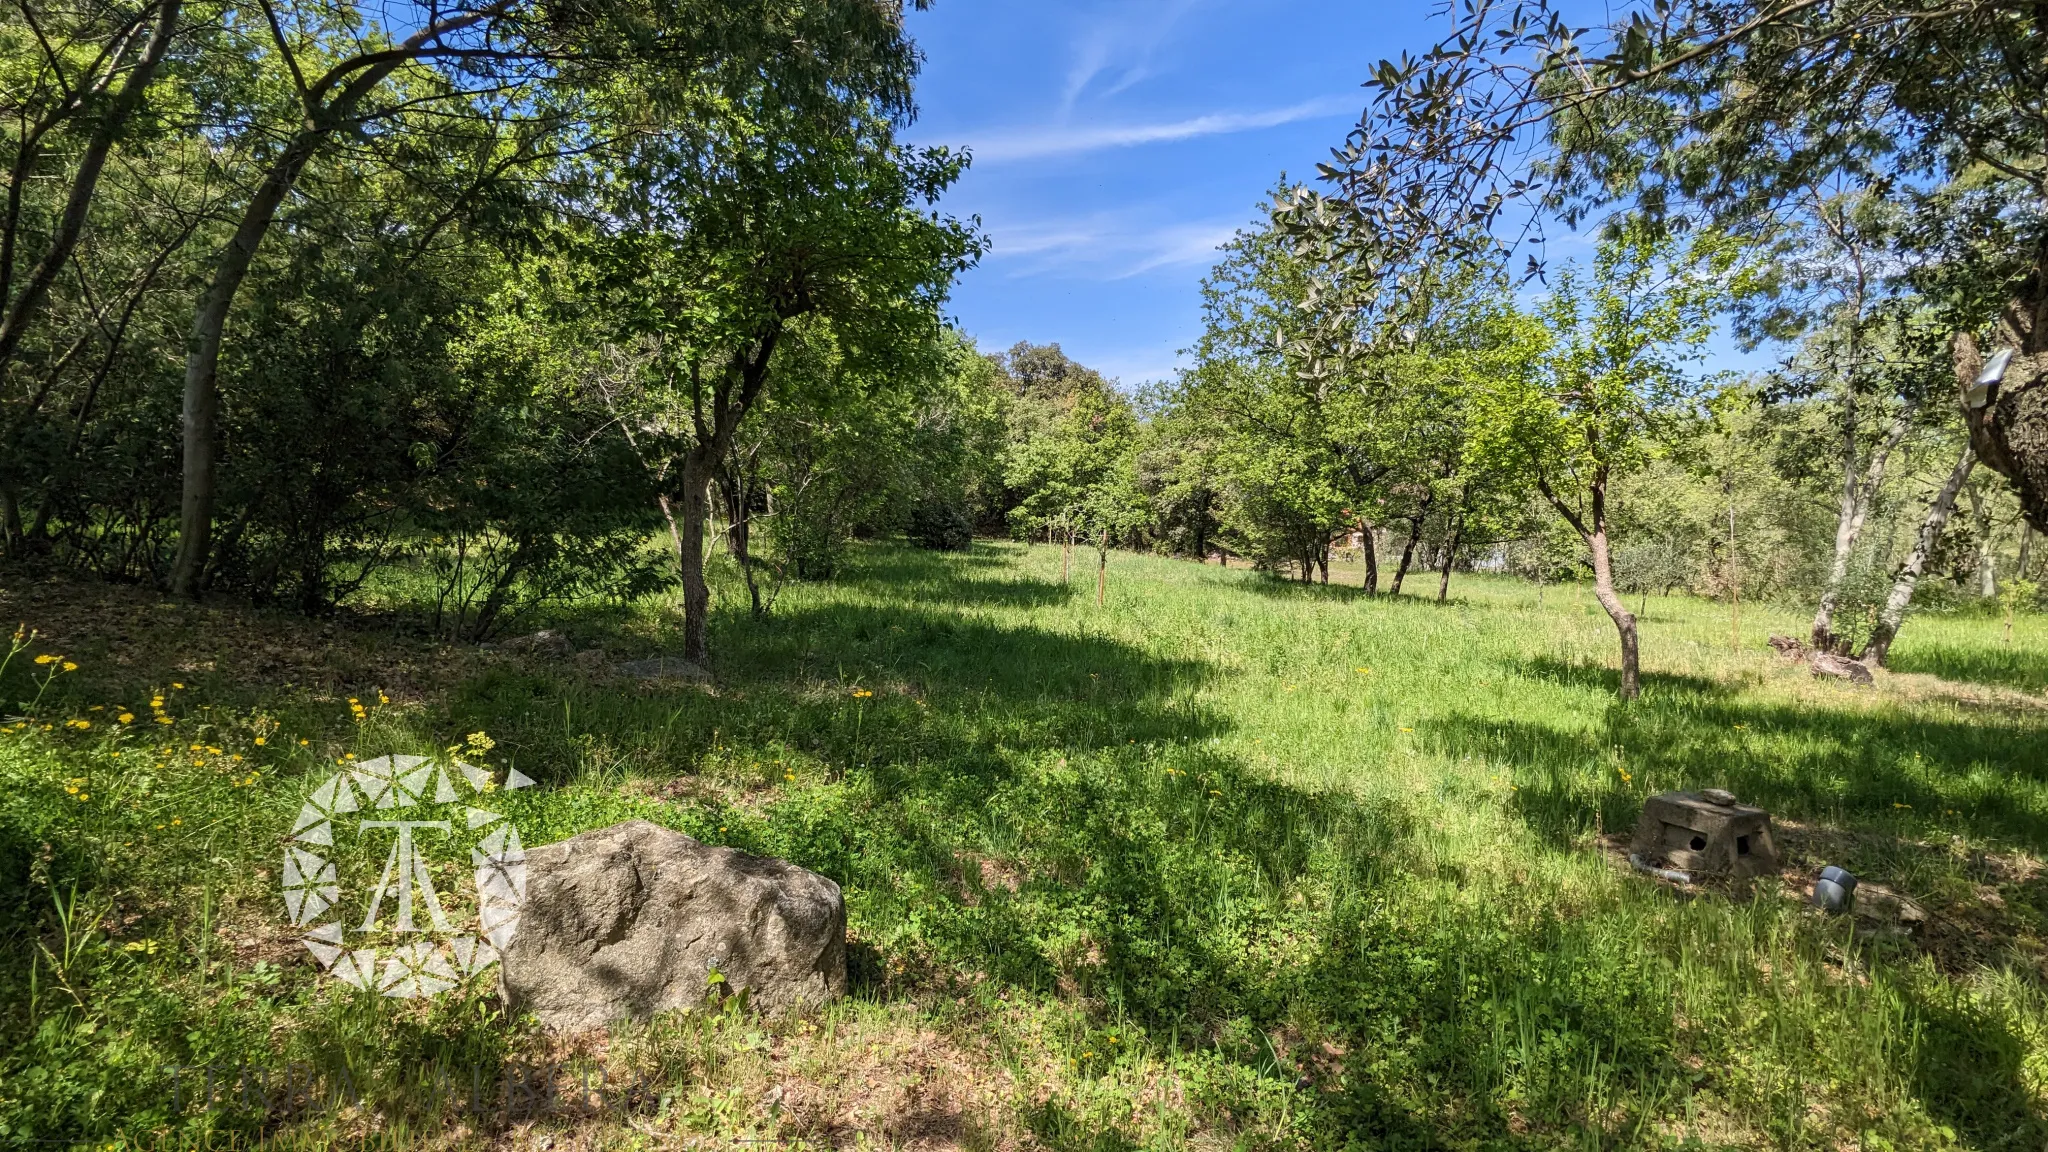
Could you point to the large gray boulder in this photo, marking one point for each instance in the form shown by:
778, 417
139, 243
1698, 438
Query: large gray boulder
632, 920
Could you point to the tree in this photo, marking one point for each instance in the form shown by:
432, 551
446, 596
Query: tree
723, 242
1939, 506
1071, 440
1609, 384
1723, 109
617, 79
1304, 452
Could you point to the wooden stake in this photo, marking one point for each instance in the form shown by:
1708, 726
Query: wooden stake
1101, 566
1734, 577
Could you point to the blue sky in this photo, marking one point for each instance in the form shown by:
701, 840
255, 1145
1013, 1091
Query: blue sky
1118, 142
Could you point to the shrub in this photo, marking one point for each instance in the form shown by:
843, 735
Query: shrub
940, 526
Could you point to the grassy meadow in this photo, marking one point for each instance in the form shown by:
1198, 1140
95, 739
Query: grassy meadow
1228, 862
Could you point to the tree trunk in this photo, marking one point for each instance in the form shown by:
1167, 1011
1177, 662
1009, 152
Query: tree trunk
209, 320
1624, 622
2026, 550
1893, 614
1443, 584
1408, 550
1987, 553
696, 593
10, 520
1370, 547
675, 535
739, 529
1067, 555
1101, 567
1593, 530
1851, 512
1734, 573
202, 362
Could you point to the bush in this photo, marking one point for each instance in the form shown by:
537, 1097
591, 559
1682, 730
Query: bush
941, 527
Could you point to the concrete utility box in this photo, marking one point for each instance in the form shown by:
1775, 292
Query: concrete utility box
1708, 831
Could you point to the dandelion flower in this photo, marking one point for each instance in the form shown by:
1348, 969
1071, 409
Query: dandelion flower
46, 658
126, 717
178, 686
70, 667
262, 740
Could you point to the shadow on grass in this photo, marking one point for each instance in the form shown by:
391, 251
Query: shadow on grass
1969, 1070
2012, 666
954, 578
1287, 588
1583, 674
1879, 784
1880, 769
1043, 812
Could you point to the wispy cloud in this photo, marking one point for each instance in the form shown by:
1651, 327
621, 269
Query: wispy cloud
1066, 140
1108, 246
1124, 46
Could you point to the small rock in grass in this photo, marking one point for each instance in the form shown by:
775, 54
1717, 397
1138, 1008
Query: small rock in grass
546, 642
1841, 668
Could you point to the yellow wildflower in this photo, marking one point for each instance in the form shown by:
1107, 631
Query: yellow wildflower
126, 717
177, 685
46, 658
70, 667
262, 740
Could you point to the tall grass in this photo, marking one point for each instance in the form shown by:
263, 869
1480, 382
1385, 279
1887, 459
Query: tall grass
1226, 861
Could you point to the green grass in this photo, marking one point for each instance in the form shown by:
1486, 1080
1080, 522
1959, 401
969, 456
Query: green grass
1228, 862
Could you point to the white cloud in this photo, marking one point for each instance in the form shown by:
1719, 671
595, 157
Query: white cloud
1067, 140
1108, 246
1125, 44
